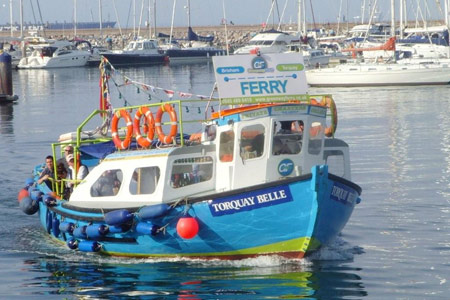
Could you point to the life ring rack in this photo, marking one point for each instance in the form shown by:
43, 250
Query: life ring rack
163, 138
327, 101
149, 123
121, 144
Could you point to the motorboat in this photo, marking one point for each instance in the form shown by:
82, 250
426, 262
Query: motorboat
264, 175
137, 52
269, 41
55, 54
312, 57
381, 74
197, 48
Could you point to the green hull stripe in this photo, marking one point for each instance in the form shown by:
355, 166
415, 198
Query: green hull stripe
294, 245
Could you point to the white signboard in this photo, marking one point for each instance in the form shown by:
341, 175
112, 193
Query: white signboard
249, 79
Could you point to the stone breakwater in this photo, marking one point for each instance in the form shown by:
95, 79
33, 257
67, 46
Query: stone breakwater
238, 35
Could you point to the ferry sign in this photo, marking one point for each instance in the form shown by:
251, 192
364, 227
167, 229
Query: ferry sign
247, 79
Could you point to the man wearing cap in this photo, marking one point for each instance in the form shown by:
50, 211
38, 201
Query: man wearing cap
81, 172
63, 160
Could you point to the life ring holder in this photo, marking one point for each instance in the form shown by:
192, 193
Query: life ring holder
150, 123
122, 145
163, 138
329, 102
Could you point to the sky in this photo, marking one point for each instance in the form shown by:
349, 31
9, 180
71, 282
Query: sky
203, 12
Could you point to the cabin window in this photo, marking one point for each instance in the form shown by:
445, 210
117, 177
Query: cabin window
335, 161
287, 138
188, 171
252, 141
108, 184
144, 180
226, 146
315, 138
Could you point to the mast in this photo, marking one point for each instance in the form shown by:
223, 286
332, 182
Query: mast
74, 18
154, 15
392, 17
11, 17
188, 7
21, 18
100, 16
134, 19
402, 17
148, 20
171, 25
226, 31
299, 17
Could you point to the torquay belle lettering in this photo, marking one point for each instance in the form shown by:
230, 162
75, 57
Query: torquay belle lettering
234, 204
271, 196
250, 201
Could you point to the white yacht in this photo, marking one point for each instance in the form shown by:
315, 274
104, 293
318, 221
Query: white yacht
270, 41
57, 54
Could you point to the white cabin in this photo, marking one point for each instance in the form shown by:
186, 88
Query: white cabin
237, 150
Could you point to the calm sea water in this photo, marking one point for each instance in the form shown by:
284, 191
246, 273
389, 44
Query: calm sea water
396, 245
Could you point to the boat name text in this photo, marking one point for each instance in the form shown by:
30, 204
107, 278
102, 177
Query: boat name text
341, 193
250, 201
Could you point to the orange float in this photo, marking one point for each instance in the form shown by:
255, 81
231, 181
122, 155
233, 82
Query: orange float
149, 128
163, 138
114, 129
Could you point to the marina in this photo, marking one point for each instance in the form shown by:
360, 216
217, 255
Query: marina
403, 218
228, 183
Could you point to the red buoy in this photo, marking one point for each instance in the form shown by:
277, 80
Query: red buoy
187, 227
22, 193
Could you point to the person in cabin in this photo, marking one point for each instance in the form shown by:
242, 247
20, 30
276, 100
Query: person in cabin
297, 127
47, 175
81, 173
107, 184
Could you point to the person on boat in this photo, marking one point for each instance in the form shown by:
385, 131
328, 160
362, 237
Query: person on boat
107, 185
298, 126
62, 180
81, 173
63, 160
47, 175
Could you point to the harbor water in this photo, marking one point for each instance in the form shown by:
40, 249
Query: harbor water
395, 246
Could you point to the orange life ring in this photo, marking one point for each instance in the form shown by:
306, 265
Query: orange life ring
166, 139
114, 130
149, 125
329, 102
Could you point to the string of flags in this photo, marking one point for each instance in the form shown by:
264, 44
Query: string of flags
153, 91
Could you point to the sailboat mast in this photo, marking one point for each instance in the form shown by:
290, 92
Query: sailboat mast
74, 18
21, 18
392, 17
299, 17
188, 7
100, 17
11, 17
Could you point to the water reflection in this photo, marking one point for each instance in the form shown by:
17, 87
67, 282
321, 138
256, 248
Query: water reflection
6, 118
111, 279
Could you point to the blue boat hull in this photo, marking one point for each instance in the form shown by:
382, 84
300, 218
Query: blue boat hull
179, 54
134, 59
290, 218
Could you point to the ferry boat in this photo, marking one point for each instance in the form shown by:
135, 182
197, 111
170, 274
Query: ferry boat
265, 175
